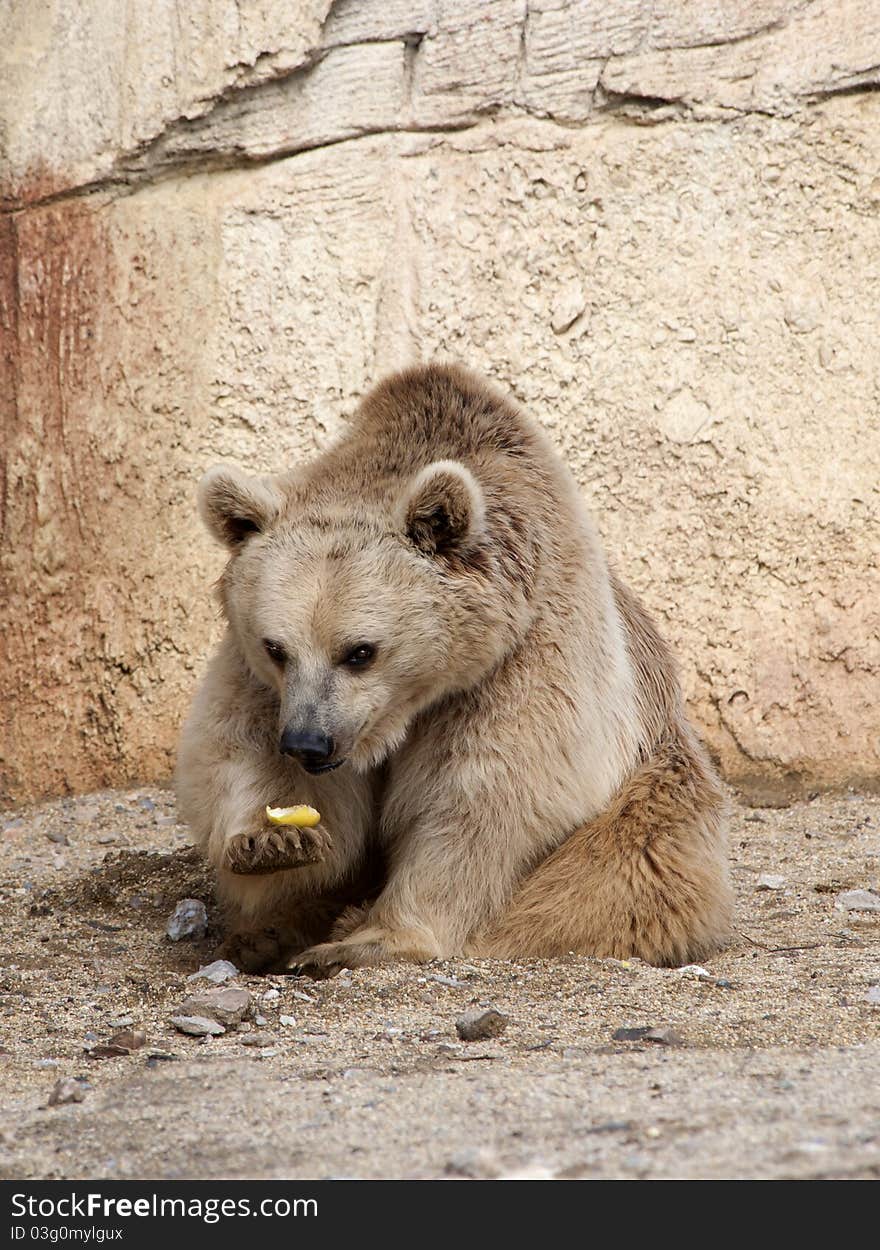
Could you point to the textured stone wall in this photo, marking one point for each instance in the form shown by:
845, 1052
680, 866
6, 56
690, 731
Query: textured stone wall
657, 223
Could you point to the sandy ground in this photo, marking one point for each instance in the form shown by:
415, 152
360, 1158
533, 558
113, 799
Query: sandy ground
776, 1073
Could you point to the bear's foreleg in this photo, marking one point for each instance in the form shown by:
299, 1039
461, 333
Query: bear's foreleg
450, 874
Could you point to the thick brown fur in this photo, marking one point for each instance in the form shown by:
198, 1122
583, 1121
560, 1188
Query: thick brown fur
640, 880
516, 743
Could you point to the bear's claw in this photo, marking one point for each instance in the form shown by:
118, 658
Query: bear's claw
365, 947
275, 850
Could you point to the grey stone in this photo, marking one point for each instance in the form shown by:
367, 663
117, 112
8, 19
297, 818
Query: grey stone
217, 973
695, 972
227, 1006
197, 1026
770, 881
857, 900
662, 1036
67, 1090
477, 1025
189, 920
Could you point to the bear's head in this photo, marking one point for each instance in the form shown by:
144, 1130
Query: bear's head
358, 612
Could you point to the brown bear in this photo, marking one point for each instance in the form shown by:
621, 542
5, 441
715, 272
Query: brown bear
426, 643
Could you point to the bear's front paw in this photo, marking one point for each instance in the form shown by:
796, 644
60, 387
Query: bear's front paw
364, 948
274, 850
257, 950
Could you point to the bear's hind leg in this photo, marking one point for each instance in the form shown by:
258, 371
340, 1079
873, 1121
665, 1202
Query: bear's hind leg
647, 878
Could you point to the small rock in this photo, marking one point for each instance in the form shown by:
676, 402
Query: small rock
271, 996
629, 1035
48, 1063
664, 1037
661, 1036
449, 1048
770, 881
217, 973
106, 1050
477, 1163
121, 1022
129, 1039
188, 920
67, 1090
197, 1026
476, 1026
288, 1021
857, 900
257, 1039
305, 998
696, 973
59, 838
873, 995
227, 1006
260, 1020
452, 982
155, 1057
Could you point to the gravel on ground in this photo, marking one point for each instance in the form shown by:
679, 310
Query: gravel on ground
766, 1063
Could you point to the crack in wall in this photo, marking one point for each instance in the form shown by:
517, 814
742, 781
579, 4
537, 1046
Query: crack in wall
234, 128
631, 106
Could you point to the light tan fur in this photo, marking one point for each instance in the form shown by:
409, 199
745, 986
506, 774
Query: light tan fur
517, 745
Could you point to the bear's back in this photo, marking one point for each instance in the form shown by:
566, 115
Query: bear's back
439, 412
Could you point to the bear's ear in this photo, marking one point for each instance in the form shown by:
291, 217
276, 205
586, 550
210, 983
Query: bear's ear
444, 509
234, 505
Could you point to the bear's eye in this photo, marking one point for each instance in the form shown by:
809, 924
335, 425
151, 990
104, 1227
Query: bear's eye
359, 656
275, 651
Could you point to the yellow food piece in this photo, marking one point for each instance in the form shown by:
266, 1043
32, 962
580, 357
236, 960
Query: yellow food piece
304, 817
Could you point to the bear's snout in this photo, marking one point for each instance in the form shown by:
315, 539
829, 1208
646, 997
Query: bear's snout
313, 749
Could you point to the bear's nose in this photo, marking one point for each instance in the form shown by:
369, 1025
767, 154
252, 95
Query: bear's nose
309, 747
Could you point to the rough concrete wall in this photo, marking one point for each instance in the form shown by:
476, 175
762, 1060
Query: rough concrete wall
657, 223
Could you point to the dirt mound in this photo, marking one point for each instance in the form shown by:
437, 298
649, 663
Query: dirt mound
140, 880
